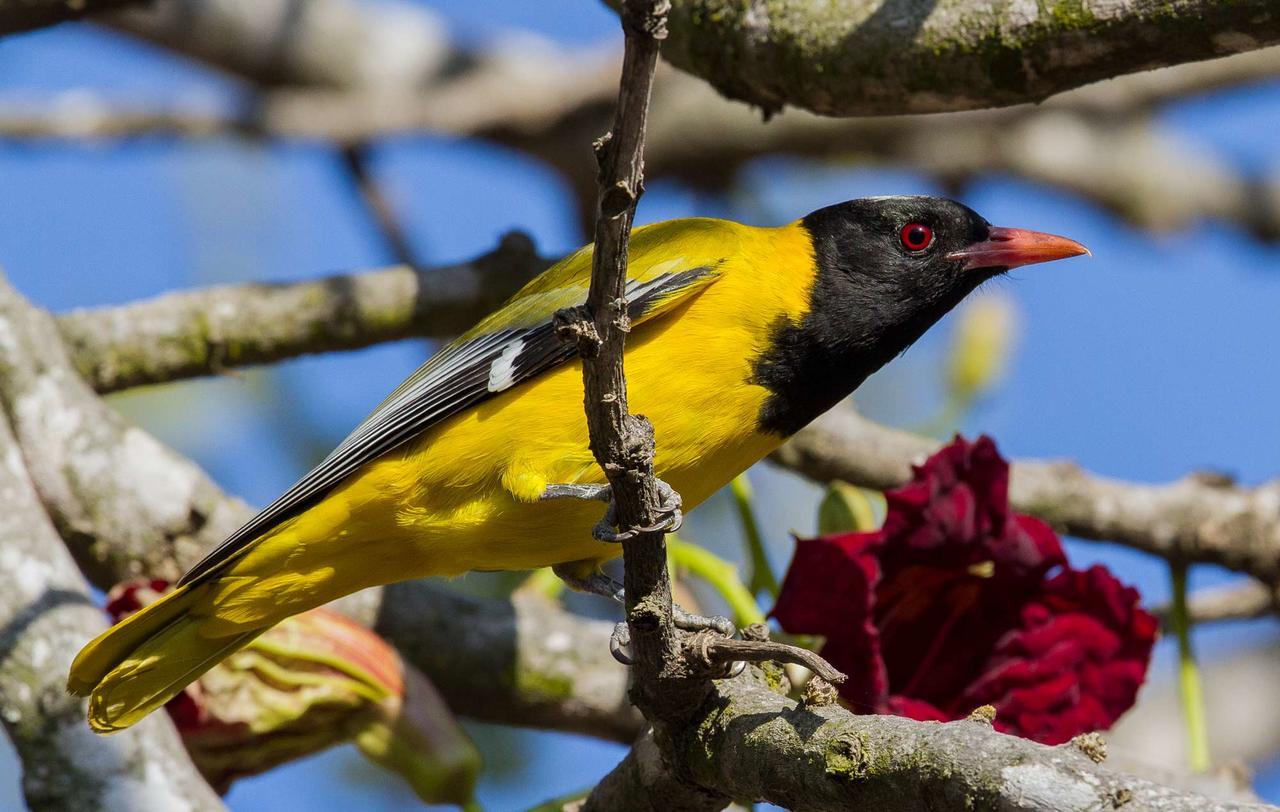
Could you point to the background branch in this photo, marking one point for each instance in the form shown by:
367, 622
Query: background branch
1197, 518
860, 57
181, 335
25, 15
46, 614
329, 43
1099, 142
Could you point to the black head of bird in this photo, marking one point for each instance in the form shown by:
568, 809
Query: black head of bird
887, 269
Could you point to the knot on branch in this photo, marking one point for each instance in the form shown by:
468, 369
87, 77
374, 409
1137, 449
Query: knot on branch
1092, 745
618, 199
645, 18
983, 715
573, 325
818, 693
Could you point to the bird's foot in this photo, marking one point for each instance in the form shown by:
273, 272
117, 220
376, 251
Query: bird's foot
670, 518
620, 639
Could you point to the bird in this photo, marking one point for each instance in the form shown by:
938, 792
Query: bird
479, 461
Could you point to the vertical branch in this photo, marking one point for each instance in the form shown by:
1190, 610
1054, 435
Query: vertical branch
623, 442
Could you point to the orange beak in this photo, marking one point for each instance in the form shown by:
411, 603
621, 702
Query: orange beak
1015, 247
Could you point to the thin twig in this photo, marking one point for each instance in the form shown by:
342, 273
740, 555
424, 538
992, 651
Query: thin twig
356, 158
711, 649
622, 442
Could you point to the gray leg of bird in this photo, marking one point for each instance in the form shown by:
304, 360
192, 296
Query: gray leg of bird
670, 518
599, 493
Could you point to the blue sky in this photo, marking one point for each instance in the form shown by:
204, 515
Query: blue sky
1153, 358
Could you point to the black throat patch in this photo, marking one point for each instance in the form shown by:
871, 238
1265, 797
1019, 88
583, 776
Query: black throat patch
859, 319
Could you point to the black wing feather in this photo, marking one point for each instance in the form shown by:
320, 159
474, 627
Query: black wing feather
451, 381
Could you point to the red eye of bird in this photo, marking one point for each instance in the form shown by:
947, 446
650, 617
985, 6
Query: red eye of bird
916, 236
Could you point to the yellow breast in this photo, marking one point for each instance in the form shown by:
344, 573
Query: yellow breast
465, 495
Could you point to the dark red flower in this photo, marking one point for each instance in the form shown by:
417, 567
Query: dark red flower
956, 602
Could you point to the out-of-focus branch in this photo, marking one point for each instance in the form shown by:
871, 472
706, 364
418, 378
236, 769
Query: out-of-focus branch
357, 158
1098, 141
182, 335
25, 15
863, 57
1234, 602
1197, 518
46, 614
332, 43
856, 58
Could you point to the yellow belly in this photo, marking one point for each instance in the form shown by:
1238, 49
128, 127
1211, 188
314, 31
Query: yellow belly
465, 495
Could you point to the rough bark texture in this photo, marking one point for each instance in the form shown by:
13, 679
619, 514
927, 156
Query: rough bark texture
46, 614
1198, 518
182, 335
860, 57
524, 661
848, 57
664, 688
754, 744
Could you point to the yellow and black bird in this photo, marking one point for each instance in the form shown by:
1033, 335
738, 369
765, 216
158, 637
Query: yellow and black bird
741, 336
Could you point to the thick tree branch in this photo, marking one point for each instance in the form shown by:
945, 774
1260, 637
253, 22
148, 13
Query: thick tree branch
853, 57
864, 57
181, 335
25, 15
1197, 518
46, 614
329, 43
755, 745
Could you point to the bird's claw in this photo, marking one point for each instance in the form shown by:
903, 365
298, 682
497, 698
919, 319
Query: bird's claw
620, 638
670, 518
620, 644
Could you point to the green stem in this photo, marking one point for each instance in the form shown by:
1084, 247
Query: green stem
721, 574
761, 577
1188, 673
543, 582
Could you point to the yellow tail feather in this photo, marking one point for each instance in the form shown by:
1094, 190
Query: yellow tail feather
142, 662
117, 643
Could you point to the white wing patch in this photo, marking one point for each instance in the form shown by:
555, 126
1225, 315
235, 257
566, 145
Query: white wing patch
502, 370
